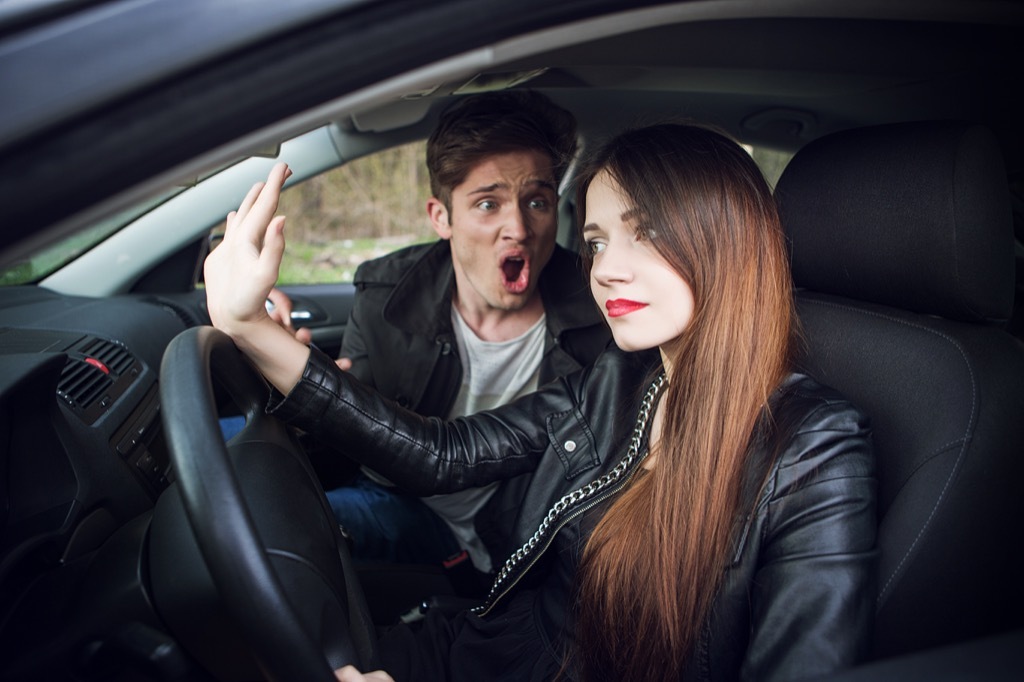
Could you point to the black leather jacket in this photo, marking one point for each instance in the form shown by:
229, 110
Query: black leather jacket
401, 342
796, 599
400, 338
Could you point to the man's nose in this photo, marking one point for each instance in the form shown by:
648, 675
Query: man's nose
516, 226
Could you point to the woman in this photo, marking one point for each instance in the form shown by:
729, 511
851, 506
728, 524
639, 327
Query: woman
693, 510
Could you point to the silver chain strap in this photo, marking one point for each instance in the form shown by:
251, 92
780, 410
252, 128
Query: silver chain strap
588, 491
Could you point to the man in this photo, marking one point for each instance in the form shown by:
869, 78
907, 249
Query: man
489, 312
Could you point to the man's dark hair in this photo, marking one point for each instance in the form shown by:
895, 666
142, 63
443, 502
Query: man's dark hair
480, 126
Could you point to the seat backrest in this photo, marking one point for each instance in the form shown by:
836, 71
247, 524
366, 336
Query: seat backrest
902, 245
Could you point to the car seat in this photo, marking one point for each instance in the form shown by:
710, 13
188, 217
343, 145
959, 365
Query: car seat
903, 258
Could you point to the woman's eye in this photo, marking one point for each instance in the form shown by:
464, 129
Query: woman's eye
595, 248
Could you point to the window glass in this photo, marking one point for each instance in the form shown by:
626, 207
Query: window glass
376, 205
771, 161
50, 258
364, 209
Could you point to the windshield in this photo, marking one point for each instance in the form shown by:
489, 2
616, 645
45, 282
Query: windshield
50, 258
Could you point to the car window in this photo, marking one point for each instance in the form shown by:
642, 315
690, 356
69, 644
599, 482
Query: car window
375, 205
51, 257
362, 210
771, 161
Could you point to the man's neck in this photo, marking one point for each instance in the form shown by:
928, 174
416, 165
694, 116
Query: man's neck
496, 325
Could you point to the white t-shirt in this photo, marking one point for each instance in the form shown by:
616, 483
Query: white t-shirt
493, 373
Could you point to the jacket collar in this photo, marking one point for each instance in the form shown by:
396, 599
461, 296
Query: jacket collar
420, 303
421, 300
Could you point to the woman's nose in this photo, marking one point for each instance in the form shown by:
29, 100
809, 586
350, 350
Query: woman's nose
611, 265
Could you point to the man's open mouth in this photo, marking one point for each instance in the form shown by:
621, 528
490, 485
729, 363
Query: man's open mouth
515, 273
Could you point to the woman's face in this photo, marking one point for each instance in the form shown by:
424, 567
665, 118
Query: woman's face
646, 302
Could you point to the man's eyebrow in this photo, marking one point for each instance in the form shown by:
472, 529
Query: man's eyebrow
547, 184
488, 188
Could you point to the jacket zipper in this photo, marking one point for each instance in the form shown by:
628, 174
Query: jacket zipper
590, 495
486, 608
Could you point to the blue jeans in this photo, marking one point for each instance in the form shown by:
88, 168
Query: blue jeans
230, 426
386, 524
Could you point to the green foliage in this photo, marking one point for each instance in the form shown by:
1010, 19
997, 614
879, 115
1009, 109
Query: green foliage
336, 261
361, 210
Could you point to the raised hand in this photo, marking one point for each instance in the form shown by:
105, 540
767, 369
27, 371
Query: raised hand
242, 270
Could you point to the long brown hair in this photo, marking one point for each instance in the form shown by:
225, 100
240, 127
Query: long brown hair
654, 562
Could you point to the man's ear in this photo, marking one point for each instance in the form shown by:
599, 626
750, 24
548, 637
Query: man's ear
438, 214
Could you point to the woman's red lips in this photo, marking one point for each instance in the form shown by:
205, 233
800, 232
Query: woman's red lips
617, 307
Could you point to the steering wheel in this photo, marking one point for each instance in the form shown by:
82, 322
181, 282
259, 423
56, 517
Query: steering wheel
245, 554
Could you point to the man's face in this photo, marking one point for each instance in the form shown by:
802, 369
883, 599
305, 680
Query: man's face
502, 227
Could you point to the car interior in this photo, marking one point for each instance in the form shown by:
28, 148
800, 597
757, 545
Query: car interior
922, 348
135, 544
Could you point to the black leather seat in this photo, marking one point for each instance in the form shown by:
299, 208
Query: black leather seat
902, 246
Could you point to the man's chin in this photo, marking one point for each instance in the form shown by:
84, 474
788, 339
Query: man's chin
512, 300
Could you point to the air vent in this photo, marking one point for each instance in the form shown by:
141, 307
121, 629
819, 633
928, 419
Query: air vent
114, 357
96, 373
82, 382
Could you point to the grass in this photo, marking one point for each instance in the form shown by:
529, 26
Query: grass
336, 261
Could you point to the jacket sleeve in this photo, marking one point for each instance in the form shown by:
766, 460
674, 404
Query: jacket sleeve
424, 455
354, 342
814, 587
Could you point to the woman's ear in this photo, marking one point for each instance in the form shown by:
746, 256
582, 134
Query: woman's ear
439, 218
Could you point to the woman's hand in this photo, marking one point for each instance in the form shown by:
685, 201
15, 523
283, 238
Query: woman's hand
350, 674
241, 272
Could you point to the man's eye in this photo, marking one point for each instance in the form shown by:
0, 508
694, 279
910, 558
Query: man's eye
487, 205
539, 204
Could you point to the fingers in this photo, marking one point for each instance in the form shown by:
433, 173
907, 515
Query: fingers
260, 203
304, 335
268, 262
263, 208
344, 364
282, 307
250, 198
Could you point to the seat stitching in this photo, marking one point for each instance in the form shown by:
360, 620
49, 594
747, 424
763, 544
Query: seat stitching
966, 437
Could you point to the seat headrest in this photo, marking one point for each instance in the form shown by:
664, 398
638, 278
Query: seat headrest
915, 216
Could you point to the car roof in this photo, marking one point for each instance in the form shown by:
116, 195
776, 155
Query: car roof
185, 93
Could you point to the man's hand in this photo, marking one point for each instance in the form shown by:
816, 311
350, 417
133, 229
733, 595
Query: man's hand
281, 312
350, 674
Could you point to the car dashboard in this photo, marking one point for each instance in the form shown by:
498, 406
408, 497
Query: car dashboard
82, 454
